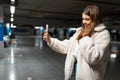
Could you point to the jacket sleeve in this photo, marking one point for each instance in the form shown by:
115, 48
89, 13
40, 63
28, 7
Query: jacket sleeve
93, 51
60, 46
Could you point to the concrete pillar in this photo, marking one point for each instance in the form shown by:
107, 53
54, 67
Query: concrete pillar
1, 29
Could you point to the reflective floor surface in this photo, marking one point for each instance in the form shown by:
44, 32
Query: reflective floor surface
31, 59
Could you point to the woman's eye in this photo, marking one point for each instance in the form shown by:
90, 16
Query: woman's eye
87, 19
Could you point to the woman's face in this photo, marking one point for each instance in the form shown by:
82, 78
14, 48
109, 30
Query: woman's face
86, 20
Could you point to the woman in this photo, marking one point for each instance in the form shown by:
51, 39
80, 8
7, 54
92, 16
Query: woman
89, 46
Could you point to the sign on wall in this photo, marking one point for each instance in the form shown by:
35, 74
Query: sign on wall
1, 31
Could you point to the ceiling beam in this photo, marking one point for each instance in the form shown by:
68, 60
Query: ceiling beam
102, 2
5, 2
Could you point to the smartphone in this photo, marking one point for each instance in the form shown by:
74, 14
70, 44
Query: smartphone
47, 27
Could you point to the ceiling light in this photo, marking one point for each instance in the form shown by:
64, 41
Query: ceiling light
13, 26
12, 15
11, 19
12, 0
12, 9
37, 27
113, 55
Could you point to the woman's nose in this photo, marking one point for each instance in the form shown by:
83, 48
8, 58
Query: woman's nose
83, 21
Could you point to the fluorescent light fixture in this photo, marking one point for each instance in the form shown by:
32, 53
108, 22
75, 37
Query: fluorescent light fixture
41, 27
37, 27
12, 15
11, 19
13, 26
113, 55
12, 9
72, 28
12, 0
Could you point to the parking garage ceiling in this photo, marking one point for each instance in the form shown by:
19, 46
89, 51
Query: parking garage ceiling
58, 9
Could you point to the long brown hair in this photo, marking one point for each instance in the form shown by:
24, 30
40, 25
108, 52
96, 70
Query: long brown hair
93, 12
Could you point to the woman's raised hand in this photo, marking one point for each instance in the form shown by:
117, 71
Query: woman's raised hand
46, 37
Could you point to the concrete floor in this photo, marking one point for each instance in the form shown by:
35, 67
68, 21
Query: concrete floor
32, 59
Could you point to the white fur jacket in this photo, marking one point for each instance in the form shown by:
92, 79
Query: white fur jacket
91, 53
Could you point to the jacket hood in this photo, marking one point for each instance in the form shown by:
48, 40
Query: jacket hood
99, 27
